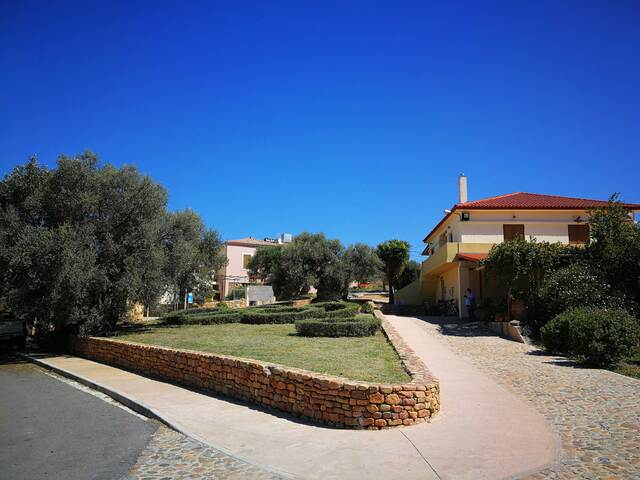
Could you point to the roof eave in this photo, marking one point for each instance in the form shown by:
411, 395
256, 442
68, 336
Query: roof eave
461, 206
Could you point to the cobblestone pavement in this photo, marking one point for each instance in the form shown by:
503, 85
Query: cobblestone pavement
171, 455
595, 413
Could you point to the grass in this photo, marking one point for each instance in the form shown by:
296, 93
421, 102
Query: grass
369, 359
630, 366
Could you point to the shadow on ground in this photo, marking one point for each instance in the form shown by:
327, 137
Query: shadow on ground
454, 327
8, 356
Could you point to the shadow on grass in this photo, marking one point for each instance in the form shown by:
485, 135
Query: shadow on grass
126, 328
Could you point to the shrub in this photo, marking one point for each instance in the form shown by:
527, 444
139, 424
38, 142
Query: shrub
367, 307
191, 311
360, 326
555, 334
237, 292
203, 317
279, 316
287, 314
263, 314
335, 309
575, 286
601, 337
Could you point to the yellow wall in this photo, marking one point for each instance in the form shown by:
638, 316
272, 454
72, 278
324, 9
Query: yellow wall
445, 255
410, 295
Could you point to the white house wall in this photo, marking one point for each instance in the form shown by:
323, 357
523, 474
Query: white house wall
486, 226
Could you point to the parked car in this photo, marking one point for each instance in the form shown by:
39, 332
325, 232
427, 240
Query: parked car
12, 330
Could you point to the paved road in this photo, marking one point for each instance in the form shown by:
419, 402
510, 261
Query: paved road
49, 429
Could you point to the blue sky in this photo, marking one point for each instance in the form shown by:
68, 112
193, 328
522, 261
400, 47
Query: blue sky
351, 118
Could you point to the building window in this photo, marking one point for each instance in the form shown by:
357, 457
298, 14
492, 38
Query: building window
578, 234
512, 232
246, 258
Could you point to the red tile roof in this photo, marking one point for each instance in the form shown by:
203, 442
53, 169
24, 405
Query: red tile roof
522, 201
528, 201
471, 257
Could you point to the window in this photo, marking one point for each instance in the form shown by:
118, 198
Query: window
246, 258
578, 234
511, 232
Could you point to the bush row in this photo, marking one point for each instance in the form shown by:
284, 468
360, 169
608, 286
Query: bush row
359, 326
212, 318
193, 311
601, 337
267, 314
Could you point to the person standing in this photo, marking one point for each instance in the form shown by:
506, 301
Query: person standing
470, 303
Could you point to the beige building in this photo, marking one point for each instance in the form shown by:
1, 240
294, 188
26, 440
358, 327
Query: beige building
238, 254
466, 233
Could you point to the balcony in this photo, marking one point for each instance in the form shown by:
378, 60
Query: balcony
444, 256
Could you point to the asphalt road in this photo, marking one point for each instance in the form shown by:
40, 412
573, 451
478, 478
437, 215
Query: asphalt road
51, 430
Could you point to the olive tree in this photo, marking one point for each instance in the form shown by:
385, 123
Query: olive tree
82, 241
394, 255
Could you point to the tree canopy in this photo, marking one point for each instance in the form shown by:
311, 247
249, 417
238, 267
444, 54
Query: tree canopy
614, 248
192, 253
80, 242
313, 260
395, 256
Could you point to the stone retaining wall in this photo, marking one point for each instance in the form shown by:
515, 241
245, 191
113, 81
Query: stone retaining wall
331, 400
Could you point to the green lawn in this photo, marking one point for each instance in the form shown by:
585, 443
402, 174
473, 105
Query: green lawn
359, 358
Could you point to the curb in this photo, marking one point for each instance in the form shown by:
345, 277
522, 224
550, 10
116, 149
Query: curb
143, 409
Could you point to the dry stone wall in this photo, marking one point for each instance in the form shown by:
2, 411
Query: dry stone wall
326, 399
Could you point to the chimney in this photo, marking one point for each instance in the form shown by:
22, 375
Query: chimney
462, 189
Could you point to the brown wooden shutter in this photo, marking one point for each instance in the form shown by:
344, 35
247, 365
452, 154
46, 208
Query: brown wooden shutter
511, 231
578, 234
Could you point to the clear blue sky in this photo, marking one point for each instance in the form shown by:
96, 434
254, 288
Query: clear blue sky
351, 118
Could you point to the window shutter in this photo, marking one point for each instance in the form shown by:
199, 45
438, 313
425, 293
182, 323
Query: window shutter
578, 234
511, 231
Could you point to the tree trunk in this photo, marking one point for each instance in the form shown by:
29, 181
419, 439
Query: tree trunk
392, 299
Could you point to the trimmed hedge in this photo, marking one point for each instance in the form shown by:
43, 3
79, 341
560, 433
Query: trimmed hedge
335, 309
600, 337
323, 310
264, 314
367, 307
268, 316
192, 311
360, 326
214, 317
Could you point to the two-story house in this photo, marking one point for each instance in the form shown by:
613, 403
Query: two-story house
238, 254
466, 233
